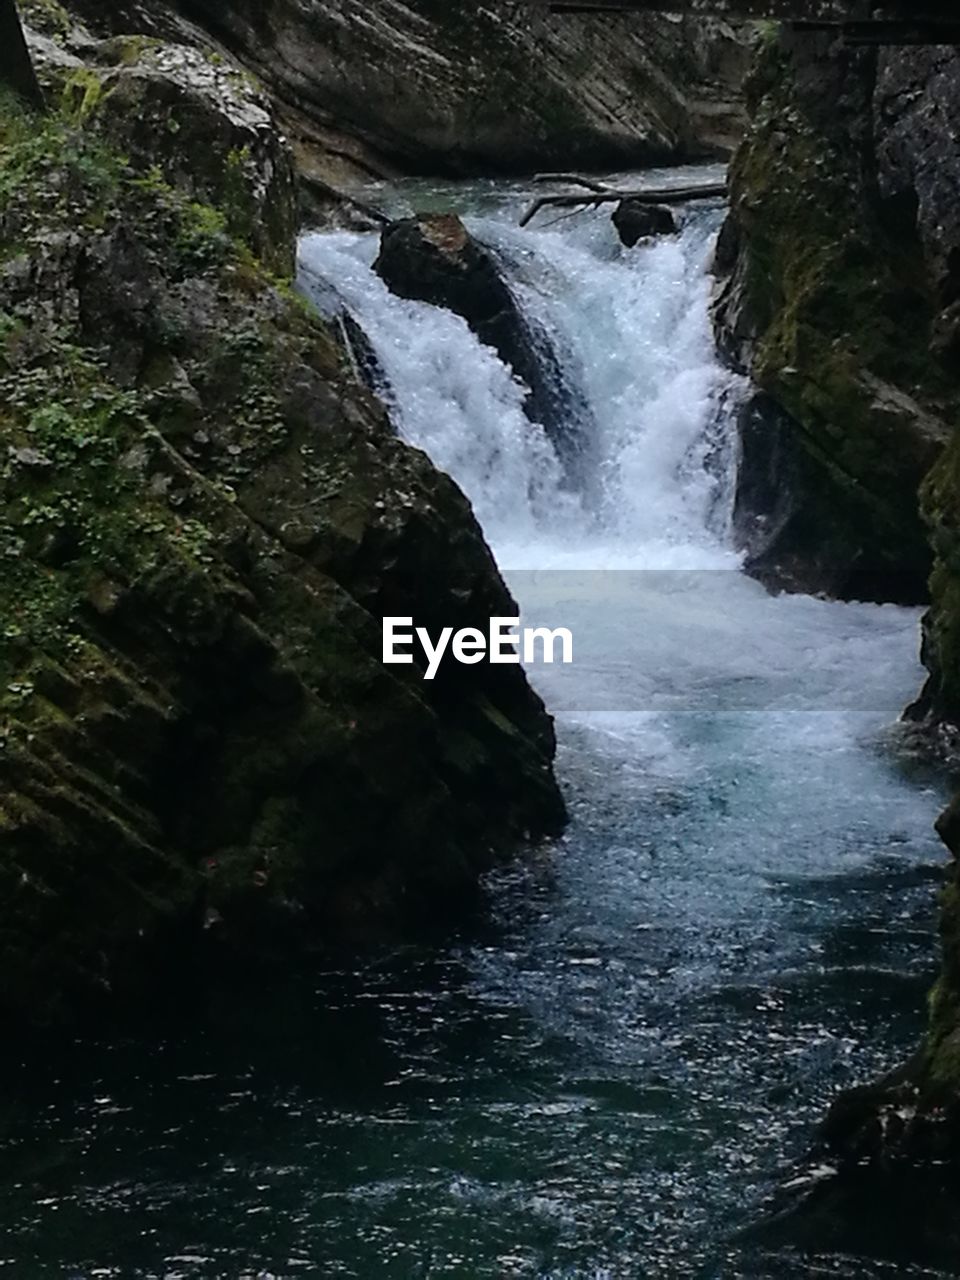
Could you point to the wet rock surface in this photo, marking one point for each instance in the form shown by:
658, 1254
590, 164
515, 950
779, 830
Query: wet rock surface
203, 517
825, 298
180, 111
636, 221
433, 258
500, 88
838, 294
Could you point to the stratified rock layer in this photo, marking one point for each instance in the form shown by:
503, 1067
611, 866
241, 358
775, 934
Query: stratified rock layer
840, 293
203, 517
829, 299
440, 87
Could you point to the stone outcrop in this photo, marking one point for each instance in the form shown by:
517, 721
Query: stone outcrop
636, 221
433, 258
829, 300
422, 86
182, 111
840, 293
203, 516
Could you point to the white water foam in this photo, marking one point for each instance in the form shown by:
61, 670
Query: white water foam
632, 330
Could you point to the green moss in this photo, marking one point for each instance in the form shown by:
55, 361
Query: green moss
127, 51
71, 484
768, 31
49, 167
18, 122
46, 16
71, 501
202, 238
186, 480
838, 296
235, 187
81, 94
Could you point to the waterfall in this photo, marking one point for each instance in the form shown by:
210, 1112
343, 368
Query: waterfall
609, 1073
632, 331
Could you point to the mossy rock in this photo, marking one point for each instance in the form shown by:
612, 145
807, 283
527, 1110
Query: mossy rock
827, 302
833, 297
198, 121
203, 517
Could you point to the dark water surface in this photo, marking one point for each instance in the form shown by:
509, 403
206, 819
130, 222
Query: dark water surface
608, 1080
613, 1074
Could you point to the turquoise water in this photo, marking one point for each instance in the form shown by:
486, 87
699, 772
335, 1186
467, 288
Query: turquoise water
610, 1073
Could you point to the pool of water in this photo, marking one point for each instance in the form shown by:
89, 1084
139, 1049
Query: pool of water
613, 1070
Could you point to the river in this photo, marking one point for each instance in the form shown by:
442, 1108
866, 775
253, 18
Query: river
610, 1076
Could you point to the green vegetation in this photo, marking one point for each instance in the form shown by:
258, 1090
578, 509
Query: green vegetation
193, 716
46, 16
76, 445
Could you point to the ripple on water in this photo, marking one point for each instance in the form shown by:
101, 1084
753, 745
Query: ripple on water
609, 1077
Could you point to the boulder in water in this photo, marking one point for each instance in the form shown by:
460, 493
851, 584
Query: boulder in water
433, 258
636, 221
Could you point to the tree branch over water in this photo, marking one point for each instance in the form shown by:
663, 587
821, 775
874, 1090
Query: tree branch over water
655, 195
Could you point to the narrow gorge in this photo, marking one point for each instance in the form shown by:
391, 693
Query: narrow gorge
616, 968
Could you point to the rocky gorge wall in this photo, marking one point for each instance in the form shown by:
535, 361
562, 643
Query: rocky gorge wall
203, 517
427, 86
839, 292
833, 298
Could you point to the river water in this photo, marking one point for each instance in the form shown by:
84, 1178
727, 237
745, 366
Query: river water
612, 1074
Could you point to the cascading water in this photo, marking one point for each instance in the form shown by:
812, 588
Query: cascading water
744, 891
613, 1076
633, 334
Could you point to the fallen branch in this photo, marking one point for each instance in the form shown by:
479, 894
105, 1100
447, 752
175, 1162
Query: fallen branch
663, 195
573, 180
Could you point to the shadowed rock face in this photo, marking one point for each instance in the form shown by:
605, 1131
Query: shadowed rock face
917, 113
433, 86
636, 221
203, 518
828, 299
433, 258
839, 293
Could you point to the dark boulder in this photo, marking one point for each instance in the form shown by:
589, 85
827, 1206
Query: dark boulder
636, 221
433, 258
805, 527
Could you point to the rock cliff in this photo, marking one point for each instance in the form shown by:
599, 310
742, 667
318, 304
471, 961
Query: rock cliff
840, 292
831, 299
203, 516
434, 87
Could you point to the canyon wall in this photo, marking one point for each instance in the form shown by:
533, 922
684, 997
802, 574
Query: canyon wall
834, 294
840, 293
427, 86
203, 518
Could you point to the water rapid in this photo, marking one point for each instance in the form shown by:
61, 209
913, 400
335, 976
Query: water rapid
610, 1079
632, 333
